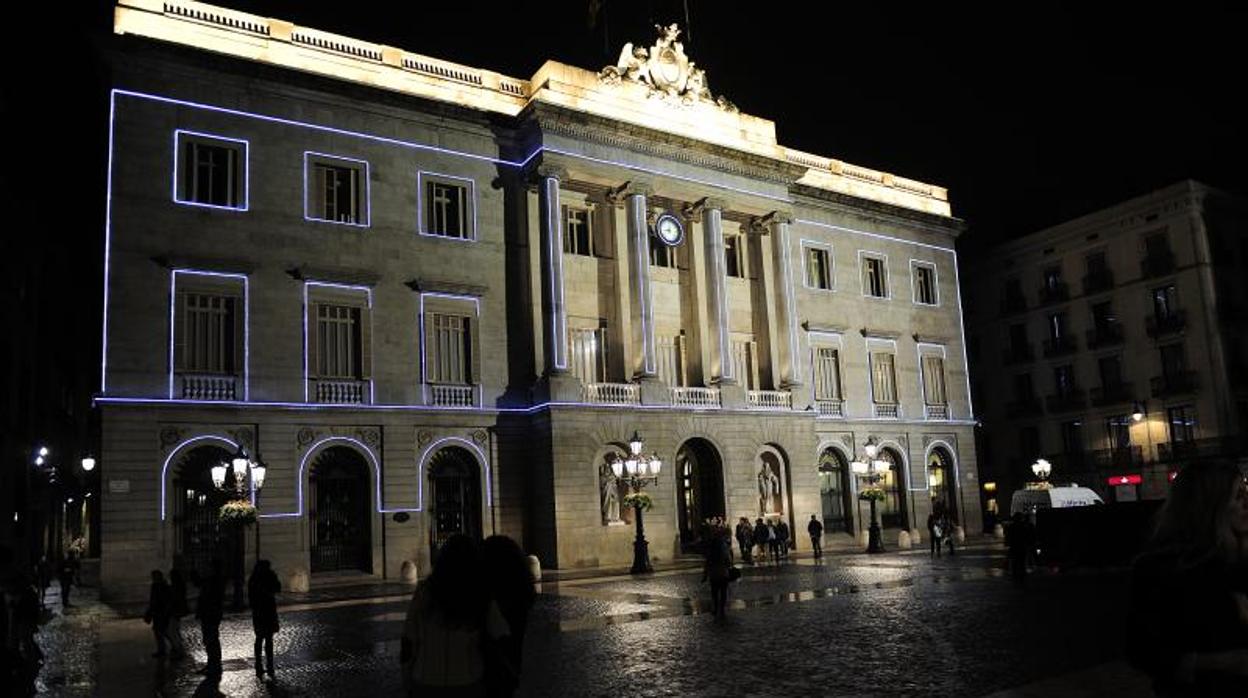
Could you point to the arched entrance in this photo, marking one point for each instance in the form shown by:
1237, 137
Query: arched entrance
341, 530
834, 491
942, 482
892, 510
699, 488
199, 536
455, 486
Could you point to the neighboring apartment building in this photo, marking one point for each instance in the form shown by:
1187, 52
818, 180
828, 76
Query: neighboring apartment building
435, 300
1114, 345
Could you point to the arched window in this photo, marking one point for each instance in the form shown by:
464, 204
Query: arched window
834, 491
892, 509
199, 537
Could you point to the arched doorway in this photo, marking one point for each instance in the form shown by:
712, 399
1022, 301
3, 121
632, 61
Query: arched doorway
455, 486
199, 536
942, 482
834, 491
699, 488
342, 533
892, 510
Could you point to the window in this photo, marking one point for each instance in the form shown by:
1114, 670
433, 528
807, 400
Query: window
338, 342
578, 233
1052, 279
1182, 421
1110, 368
662, 255
745, 363
1064, 379
924, 284
827, 374
211, 171
1156, 246
670, 354
1072, 437
818, 268
934, 380
1103, 317
1024, 391
337, 189
874, 277
883, 379
734, 256
1165, 302
1018, 338
1096, 264
1118, 430
589, 354
450, 349
1057, 327
208, 334
447, 210
1173, 362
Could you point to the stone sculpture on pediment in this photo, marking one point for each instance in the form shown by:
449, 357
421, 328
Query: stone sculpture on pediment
665, 69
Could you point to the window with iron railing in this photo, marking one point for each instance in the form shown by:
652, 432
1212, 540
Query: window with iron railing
338, 341
827, 374
450, 349
883, 379
209, 334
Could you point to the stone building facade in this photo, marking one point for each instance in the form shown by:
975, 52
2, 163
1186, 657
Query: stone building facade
1114, 345
435, 299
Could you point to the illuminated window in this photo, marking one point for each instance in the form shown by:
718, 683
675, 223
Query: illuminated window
450, 349
337, 190
211, 171
874, 277
827, 374
924, 284
818, 268
578, 233
447, 209
588, 354
734, 256
338, 341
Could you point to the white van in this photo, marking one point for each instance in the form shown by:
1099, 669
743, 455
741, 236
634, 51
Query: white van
1028, 501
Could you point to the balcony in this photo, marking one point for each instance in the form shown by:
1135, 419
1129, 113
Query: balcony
1013, 304
1177, 383
208, 386
1054, 293
885, 410
1157, 264
769, 400
830, 407
1162, 325
340, 392
443, 395
1112, 394
1107, 335
1118, 458
937, 412
1020, 354
705, 398
612, 393
1026, 407
1066, 402
1059, 346
1196, 449
1097, 281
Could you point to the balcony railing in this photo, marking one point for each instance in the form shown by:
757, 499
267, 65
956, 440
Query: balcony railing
1101, 280
1017, 355
1067, 401
770, 400
936, 411
1059, 346
208, 386
1157, 264
1177, 383
830, 407
885, 410
1112, 394
1027, 407
1055, 293
1124, 457
452, 395
1161, 325
341, 392
1106, 336
696, 397
612, 393
1194, 449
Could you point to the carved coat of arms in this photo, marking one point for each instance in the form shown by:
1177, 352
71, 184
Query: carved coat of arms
665, 69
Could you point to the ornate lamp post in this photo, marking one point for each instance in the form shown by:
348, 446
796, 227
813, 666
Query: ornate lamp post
873, 471
1042, 469
637, 470
246, 478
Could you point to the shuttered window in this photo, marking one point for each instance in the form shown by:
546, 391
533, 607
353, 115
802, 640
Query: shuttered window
883, 379
588, 354
934, 381
450, 350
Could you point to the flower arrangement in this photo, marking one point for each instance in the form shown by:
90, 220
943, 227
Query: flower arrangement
78, 546
239, 511
872, 494
640, 500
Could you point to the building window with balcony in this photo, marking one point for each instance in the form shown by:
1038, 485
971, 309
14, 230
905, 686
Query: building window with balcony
923, 278
818, 267
745, 363
339, 360
1110, 369
1064, 380
874, 276
1059, 342
1013, 300
1098, 276
1057, 327
449, 367
1158, 257
588, 354
1072, 439
447, 209
211, 171
883, 384
1054, 289
661, 255
935, 399
734, 256
1182, 423
1165, 302
1105, 327
337, 189
208, 337
578, 233
828, 381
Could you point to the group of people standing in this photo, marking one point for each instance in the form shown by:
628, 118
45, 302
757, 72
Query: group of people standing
940, 531
766, 538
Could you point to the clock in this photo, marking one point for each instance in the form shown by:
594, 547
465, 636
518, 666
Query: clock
669, 230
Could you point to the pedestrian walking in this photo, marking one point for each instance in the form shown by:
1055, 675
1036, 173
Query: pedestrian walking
762, 538
773, 543
947, 527
934, 533
510, 585
65, 575
43, 574
209, 609
262, 591
783, 538
178, 609
449, 623
1020, 539
1188, 620
159, 609
815, 529
745, 539
716, 569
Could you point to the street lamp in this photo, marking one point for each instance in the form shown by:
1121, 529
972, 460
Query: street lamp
873, 470
246, 478
1042, 468
1137, 412
637, 470
88, 463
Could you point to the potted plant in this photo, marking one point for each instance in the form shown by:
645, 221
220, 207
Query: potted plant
238, 511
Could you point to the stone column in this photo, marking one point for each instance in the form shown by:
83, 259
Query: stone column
554, 310
788, 363
711, 210
633, 194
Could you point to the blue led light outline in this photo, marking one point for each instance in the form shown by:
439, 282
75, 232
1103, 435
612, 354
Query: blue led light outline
177, 449
840, 346
471, 198
424, 376
108, 239
888, 277
643, 282
877, 236
173, 275
177, 135
791, 304
368, 200
303, 462
423, 459
715, 219
554, 239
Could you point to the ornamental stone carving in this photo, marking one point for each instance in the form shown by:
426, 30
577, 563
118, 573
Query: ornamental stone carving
371, 436
665, 69
170, 436
423, 437
479, 437
305, 436
245, 437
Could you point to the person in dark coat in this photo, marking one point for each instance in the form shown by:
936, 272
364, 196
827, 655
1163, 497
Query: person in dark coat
815, 529
935, 531
716, 570
782, 538
209, 610
510, 584
179, 609
262, 591
65, 575
159, 608
1020, 539
762, 538
745, 539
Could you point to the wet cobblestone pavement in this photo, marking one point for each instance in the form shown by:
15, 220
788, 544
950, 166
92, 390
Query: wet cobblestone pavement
896, 624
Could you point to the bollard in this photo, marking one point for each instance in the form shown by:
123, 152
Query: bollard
903, 540
864, 538
535, 568
998, 531
299, 581
959, 534
408, 573
916, 537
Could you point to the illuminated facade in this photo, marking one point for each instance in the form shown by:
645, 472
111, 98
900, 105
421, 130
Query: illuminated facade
433, 299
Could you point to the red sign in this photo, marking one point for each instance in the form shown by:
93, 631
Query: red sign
1125, 480
1173, 474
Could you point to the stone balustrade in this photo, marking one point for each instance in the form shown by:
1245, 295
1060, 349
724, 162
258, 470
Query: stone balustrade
612, 393
452, 395
885, 410
770, 400
830, 408
696, 397
208, 386
936, 411
341, 392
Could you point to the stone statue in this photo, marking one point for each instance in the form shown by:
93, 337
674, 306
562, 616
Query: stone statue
768, 489
610, 488
665, 70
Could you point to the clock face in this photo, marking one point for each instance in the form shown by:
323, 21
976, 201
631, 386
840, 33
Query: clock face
669, 230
